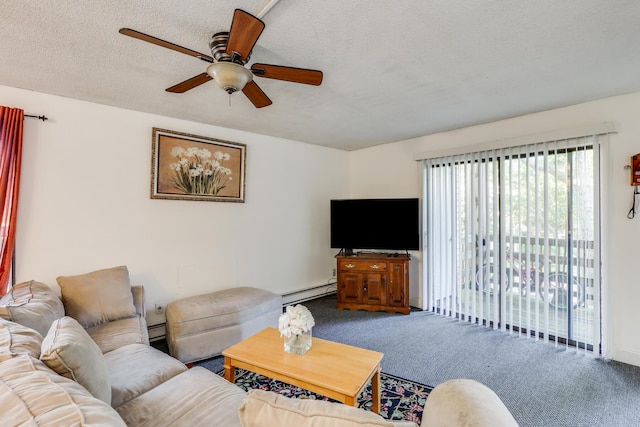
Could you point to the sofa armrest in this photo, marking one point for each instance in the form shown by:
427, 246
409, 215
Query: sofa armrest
465, 402
138, 300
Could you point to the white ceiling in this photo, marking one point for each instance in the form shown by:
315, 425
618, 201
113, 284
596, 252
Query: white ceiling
393, 70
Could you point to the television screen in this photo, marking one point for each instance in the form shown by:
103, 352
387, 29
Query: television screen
386, 224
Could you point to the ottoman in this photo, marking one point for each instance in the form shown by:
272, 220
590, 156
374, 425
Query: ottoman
201, 326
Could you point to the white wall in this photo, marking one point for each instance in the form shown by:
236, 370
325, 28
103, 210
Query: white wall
621, 279
85, 205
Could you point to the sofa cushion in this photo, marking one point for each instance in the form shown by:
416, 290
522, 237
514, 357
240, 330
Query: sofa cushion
112, 335
137, 368
70, 351
265, 408
98, 297
16, 339
39, 396
32, 304
196, 398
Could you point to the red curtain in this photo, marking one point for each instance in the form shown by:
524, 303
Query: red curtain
11, 120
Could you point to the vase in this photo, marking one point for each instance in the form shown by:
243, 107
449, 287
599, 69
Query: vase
298, 344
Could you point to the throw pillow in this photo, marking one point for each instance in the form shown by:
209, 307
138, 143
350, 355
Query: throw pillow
16, 339
98, 297
265, 408
70, 351
32, 304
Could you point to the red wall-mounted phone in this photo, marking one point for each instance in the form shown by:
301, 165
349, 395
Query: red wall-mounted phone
635, 169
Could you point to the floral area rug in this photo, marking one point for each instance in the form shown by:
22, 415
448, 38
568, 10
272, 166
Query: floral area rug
400, 399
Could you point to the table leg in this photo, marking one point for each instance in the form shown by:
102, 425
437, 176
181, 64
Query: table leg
375, 391
229, 370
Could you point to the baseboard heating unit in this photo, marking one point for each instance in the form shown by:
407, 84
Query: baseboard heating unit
307, 294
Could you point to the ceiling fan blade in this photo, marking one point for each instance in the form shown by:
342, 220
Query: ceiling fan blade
188, 84
244, 33
256, 95
154, 40
289, 74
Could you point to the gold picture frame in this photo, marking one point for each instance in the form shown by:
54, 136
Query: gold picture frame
192, 167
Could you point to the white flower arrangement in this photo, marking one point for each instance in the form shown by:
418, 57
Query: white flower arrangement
195, 172
295, 321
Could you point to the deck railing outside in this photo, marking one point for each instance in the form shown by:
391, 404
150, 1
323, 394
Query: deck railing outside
527, 268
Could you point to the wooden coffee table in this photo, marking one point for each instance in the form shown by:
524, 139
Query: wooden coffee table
331, 369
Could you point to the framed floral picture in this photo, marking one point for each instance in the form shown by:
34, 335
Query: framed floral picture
191, 167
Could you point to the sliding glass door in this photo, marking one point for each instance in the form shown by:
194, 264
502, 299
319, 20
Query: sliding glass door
512, 239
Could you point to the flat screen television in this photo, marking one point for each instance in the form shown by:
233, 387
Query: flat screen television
383, 224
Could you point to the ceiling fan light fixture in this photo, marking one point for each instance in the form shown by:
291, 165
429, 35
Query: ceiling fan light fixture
229, 76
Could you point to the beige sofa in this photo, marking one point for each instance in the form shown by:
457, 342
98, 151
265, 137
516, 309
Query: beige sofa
85, 359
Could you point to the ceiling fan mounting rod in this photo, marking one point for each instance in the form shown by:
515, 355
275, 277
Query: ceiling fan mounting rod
267, 8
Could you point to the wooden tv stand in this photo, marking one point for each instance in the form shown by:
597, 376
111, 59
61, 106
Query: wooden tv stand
373, 282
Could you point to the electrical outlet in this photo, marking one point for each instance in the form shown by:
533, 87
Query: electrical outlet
334, 272
159, 309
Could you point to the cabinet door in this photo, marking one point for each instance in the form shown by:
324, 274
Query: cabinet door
397, 285
350, 290
375, 289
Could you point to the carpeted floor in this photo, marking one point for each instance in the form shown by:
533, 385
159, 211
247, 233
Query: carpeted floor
541, 384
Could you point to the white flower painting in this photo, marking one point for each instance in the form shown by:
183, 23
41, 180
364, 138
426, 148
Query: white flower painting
197, 168
196, 172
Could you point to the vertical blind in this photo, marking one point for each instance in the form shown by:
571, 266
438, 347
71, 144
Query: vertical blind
512, 239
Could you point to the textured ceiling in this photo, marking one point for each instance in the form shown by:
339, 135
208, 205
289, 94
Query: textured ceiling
393, 70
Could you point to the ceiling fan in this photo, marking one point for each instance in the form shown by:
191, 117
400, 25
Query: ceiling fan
230, 52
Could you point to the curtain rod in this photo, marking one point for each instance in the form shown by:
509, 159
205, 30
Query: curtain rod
43, 118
